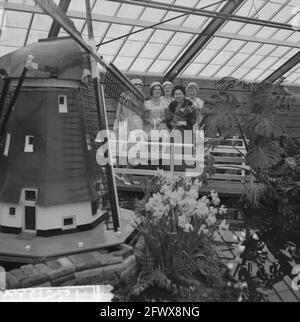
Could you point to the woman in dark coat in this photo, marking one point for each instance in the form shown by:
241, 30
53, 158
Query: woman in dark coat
181, 113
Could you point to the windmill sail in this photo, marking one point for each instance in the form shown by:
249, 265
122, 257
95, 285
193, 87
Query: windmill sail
116, 81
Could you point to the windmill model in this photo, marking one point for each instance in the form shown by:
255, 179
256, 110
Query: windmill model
50, 182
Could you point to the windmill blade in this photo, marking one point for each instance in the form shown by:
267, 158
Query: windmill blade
66, 23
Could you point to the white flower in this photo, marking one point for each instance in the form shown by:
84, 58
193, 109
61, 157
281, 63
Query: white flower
230, 266
188, 227
181, 221
211, 220
222, 210
224, 225
241, 248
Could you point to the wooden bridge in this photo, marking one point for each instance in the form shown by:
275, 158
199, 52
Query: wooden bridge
230, 175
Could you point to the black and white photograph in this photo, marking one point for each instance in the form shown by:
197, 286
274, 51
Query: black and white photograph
149, 154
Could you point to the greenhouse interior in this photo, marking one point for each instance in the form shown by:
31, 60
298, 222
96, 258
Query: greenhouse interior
163, 137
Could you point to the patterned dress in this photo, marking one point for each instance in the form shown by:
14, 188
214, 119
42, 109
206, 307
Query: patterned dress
155, 118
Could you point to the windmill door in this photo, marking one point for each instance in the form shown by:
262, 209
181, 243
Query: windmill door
30, 218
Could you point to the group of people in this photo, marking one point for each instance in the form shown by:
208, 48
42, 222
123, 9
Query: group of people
169, 107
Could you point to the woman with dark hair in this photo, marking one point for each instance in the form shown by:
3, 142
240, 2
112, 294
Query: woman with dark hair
181, 113
155, 109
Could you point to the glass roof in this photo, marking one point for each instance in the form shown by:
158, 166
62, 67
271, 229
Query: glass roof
243, 50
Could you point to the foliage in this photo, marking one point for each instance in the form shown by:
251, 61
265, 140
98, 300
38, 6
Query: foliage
269, 148
178, 232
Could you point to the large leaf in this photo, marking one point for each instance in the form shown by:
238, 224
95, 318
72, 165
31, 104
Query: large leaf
266, 125
221, 115
264, 156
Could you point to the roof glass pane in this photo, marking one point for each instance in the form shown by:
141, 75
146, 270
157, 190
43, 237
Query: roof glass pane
292, 77
232, 26
265, 50
173, 14
35, 35
13, 36
279, 63
268, 11
283, 15
170, 52
141, 65
221, 58
41, 22
248, 9
115, 30
151, 50
252, 61
153, 15
129, 11
266, 63
4, 50
209, 70
279, 51
99, 28
206, 55
180, 39
27, 2
161, 36
186, 3
264, 75
110, 48
250, 47
225, 71
249, 30
159, 66
241, 72
234, 45
142, 35
291, 53
131, 48
238, 59
295, 37
217, 43
282, 34
253, 74
194, 21
123, 62
266, 32
193, 69
77, 6
16, 19
107, 8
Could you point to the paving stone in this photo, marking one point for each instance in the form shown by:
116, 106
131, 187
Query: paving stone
30, 270
67, 264
35, 280
125, 251
57, 269
107, 259
84, 261
98, 274
19, 274
43, 269
12, 282
63, 279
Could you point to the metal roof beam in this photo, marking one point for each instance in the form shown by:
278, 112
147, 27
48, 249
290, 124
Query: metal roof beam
143, 24
55, 27
208, 32
295, 60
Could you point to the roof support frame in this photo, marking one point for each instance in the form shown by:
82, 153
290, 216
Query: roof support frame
133, 22
209, 31
295, 60
55, 27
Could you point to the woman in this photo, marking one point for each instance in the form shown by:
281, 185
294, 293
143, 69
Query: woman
192, 91
155, 107
168, 88
181, 114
